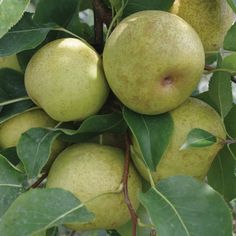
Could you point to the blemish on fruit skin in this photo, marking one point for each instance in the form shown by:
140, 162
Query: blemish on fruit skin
168, 80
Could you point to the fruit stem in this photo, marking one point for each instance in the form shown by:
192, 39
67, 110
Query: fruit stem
134, 218
38, 181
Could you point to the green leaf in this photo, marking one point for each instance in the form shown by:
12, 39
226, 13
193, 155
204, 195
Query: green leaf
40, 209
229, 62
221, 174
230, 39
25, 35
205, 97
56, 11
11, 86
95, 125
220, 91
230, 122
12, 110
10, 13
183, 206
126, 230
232, 4
141, 5
152, 133
11, 186
198, 138
11, 155
34, 148
66, 14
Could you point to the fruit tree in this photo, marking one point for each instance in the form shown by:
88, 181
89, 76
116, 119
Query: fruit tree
117, 117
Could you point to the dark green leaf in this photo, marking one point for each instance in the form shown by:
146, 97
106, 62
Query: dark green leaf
56, 11
52, 232
40, 209
11, 86
220, 91
25, 35
232, 3
10, 184
183, 206
198, 138
205, 97
34, 148
230, 122
152, 133
66, 14
230, 39
81, 28
141, 5
95, 125
11, 155
12, 110
11, 12
221, 174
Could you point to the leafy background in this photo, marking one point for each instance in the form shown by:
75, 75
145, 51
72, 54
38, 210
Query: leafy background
28, 25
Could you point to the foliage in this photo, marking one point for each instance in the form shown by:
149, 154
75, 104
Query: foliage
178, 205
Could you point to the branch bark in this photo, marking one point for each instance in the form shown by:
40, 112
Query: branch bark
101, 15
133, 214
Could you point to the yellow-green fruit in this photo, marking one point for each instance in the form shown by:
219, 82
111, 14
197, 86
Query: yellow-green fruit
192, 161
153, 60
10, 62
93, 172
210, 18
66, 79
11, 130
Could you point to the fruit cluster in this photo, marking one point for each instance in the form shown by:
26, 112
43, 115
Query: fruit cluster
152, 62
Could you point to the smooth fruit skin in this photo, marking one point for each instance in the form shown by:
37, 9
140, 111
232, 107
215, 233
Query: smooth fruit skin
89, 170
210, 18
66, 79
153, 60
195, 162
10, 62
11, 130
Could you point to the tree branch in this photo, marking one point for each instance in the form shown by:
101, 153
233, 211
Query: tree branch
133, 214
101, 15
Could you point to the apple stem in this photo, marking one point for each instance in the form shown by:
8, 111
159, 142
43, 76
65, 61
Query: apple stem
101, 15
133, 214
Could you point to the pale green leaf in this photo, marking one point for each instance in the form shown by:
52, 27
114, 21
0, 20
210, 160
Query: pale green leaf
11, 12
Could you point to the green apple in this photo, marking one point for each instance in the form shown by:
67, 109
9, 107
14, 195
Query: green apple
66, 79
210, 18
193, 161
10, 62
153, 60
93, 173
11, 130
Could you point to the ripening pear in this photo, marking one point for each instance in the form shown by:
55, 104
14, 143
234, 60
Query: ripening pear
194, 161
10, 62
93, 173
210, 18
11, 130
65, 78
153, 60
